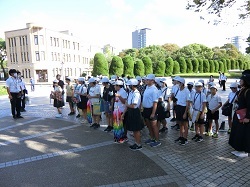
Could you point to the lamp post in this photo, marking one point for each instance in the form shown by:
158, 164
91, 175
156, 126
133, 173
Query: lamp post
62, 68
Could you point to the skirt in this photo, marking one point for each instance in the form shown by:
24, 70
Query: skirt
58, 104
133, 119
118, 125
83, 103
240, 135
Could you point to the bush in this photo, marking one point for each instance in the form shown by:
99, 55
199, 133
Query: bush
116, 66
233, 65
183, 65
128, 64
224, 64
195, 64
139, 68
206, 67
228, 64
221, 67
169, 66
216, 66
237, 66
100, 66
241, 64
147, 65
212, 66
176, 68
189, 65
159, 69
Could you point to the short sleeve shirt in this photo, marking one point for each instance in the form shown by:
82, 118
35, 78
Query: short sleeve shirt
13, 85
174, 90
108, 93
83, 89
69, 89
94, 91
183, 96
231, 96
150, 96
213, 101
165, 93
134, 97
118, 103
197, 100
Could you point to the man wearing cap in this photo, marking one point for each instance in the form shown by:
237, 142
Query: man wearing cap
149, 103
223, 81
14, 92
231, 98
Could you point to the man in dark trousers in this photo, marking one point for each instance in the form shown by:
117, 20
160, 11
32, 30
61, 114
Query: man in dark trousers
15, 92
61, 84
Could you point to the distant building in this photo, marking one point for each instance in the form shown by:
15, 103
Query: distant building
139, 38
41, 53
239, 42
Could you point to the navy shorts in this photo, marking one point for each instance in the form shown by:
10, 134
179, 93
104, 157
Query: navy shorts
147, 113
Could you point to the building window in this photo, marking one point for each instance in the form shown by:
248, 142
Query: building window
55, 57
24, 55
69, 44
29, 73
14, 40
66, 43
69, 58
16, 57
74, 58
37, 56
23, 40
23, 73
51, 42
42, 39
28, 58
78, 46
12, 44
9, 42
63, 43
74, 45
13, 57
26, 73
52, 55
58, 55
36, 39
20, 40
42, 55
26, 39
57, 40
79, 58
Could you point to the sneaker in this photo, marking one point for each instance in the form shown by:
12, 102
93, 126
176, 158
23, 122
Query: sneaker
229, 131
108, 129
121, 141
195, 137
235, 153
222, 125
183, 141
215, 135
84, 121
126, 139
199, 139
71, 113
149, 141
96, 126
173, 119
178, 127
78, 115
163, 129
58, 115
155, 144
19, 117
178, 139
242, 154
192, 127
209, 134
173, 126
135, 147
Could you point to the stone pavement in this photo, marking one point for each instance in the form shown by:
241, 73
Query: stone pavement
41, 150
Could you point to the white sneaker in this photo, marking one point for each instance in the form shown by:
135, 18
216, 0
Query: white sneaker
242, 154
235, 153
58, 115
84, 121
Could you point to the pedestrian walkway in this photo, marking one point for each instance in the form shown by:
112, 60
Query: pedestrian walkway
41, 150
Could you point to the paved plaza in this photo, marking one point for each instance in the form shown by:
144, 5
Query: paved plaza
41, 150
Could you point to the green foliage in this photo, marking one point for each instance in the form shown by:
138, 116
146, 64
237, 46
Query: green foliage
128, 63
183, 65
154, 52
221, 67
241, 64
116, 66
139, 68
3, 55
233, 64
212, 66
169, 66
159, 69
3, 90
148, 66
131, 52
224, 64
176, 68
170, 48
206, 67
237, 64
189, 65
228, 64
216, 66
195, 64
248, 43
100, 66
200, 65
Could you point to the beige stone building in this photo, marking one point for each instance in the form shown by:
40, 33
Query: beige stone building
41, 54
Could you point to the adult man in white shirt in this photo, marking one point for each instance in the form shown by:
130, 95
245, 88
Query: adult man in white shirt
14, 91
223, 81
149, 103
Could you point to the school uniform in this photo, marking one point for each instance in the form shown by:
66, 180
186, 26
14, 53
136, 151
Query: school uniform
94, 91
108, 96
182, 97
23, 87
69, 93
150, 96
162, 104
197, 99
15, 91
58, 97
213, 102
83, 99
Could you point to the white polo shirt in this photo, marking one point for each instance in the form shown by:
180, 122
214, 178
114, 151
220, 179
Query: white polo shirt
82, 89
197, 100
13, 85
182, 97
223, 77
151, 95
213, 101
118, 103
165, 93
134, 97
175, 89
94, 91
231, 96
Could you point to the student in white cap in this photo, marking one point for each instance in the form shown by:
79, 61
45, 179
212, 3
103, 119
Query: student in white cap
204, 89
58, 99
198, 103
149, 103
182, 110
229, 103
190, 86
70, 95
82, 104
214, 104
174, 91
76, 97
132, 114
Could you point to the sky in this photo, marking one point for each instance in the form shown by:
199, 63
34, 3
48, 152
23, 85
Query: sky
101, 22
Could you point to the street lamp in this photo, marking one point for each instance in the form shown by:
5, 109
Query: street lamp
62, 74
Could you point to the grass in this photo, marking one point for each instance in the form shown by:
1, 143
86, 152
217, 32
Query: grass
3, 90
206, 75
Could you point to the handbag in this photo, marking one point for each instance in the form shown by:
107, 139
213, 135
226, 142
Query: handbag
96, 108
241, 114
227, 109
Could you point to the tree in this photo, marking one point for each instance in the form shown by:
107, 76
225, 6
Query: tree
147, 65
195, 64
183, 65
231, 51
131, 52
233, 65
189, 66
169, 66
248, 43
200, 65
116, 66
3, 56
108, 53
221, 67
154, 52
128, 64
100, 66
216, 66
170, 48
206, 67
241, 64
228, 64
159, 69
139, 68
224, 64
176, 68
212, 68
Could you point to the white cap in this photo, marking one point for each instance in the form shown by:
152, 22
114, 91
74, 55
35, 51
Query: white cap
176, 77
97, 79
138, 78
118, 82
202, 81
190, 83
91, 80
150, 77
198, 84
211, 83
234, 85
105, 79
143, 78
56, 81
112, 81
158, 80
181, 80
214, 86
164, 80
82, 79
132, 82
113, 77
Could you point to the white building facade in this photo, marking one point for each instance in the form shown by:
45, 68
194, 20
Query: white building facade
41, 54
